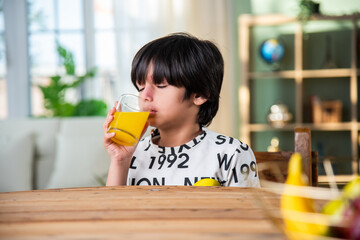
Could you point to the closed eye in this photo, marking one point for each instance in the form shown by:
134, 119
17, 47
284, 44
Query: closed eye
161, 86
140, 87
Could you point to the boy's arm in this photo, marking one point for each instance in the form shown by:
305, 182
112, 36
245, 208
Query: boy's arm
120, 156
120, 159
117, 174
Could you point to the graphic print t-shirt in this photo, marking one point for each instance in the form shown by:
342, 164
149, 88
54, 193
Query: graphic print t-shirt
209, 155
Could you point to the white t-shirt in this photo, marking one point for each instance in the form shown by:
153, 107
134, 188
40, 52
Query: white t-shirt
209, 155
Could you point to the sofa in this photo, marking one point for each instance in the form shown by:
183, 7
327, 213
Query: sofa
42, 153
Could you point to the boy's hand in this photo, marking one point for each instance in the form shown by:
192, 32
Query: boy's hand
120, 156
118, 153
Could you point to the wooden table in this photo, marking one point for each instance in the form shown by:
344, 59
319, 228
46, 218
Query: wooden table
137, 212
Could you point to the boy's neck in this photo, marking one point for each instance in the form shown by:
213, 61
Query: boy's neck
176, 137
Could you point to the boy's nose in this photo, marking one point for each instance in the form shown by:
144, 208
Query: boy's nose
147, 93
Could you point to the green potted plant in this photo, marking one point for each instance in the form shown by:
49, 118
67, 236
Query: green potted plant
307, 8
54, 93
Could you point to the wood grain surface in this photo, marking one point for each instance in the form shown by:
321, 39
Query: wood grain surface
138, 212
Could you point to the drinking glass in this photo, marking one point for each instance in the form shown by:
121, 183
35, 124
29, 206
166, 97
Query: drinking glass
129, 120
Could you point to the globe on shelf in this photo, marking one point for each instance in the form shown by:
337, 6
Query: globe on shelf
272, 51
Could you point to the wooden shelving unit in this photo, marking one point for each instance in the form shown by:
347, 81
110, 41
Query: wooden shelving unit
298, 74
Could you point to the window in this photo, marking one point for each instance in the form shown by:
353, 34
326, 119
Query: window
101, 33
121, 28
3, 95
51, 22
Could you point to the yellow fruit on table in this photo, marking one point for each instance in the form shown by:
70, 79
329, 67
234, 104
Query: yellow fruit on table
336, 206
343, 211
352, 189
294, 206
207, 182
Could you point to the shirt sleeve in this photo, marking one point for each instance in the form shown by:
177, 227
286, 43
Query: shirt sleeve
244, 172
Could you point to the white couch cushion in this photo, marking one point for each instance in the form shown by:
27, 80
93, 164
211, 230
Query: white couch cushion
16, 161
80, 143
80, 160
82, 126
44, 131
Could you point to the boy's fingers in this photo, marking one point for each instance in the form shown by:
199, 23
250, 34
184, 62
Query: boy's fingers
110, 135
107, 122
112, 111
107, 138
109, 118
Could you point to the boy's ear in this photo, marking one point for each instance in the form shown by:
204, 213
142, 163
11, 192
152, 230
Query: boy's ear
199, 100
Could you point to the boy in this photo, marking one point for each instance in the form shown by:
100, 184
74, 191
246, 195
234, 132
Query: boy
180, 78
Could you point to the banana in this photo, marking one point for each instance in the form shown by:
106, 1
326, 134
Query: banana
293, 207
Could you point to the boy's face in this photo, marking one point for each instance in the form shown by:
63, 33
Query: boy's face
167, 106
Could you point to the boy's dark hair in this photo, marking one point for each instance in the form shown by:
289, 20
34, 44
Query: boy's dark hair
184, 60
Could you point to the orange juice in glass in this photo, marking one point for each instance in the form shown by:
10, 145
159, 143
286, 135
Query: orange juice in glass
129, 120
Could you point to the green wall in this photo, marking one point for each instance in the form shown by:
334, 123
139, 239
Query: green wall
266, 92
315, 45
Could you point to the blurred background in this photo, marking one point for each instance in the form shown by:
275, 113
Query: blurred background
41, 40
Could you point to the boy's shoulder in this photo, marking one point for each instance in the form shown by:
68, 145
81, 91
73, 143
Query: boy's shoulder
219, 138
215, 139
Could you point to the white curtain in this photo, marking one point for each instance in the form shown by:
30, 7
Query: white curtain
206, 19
